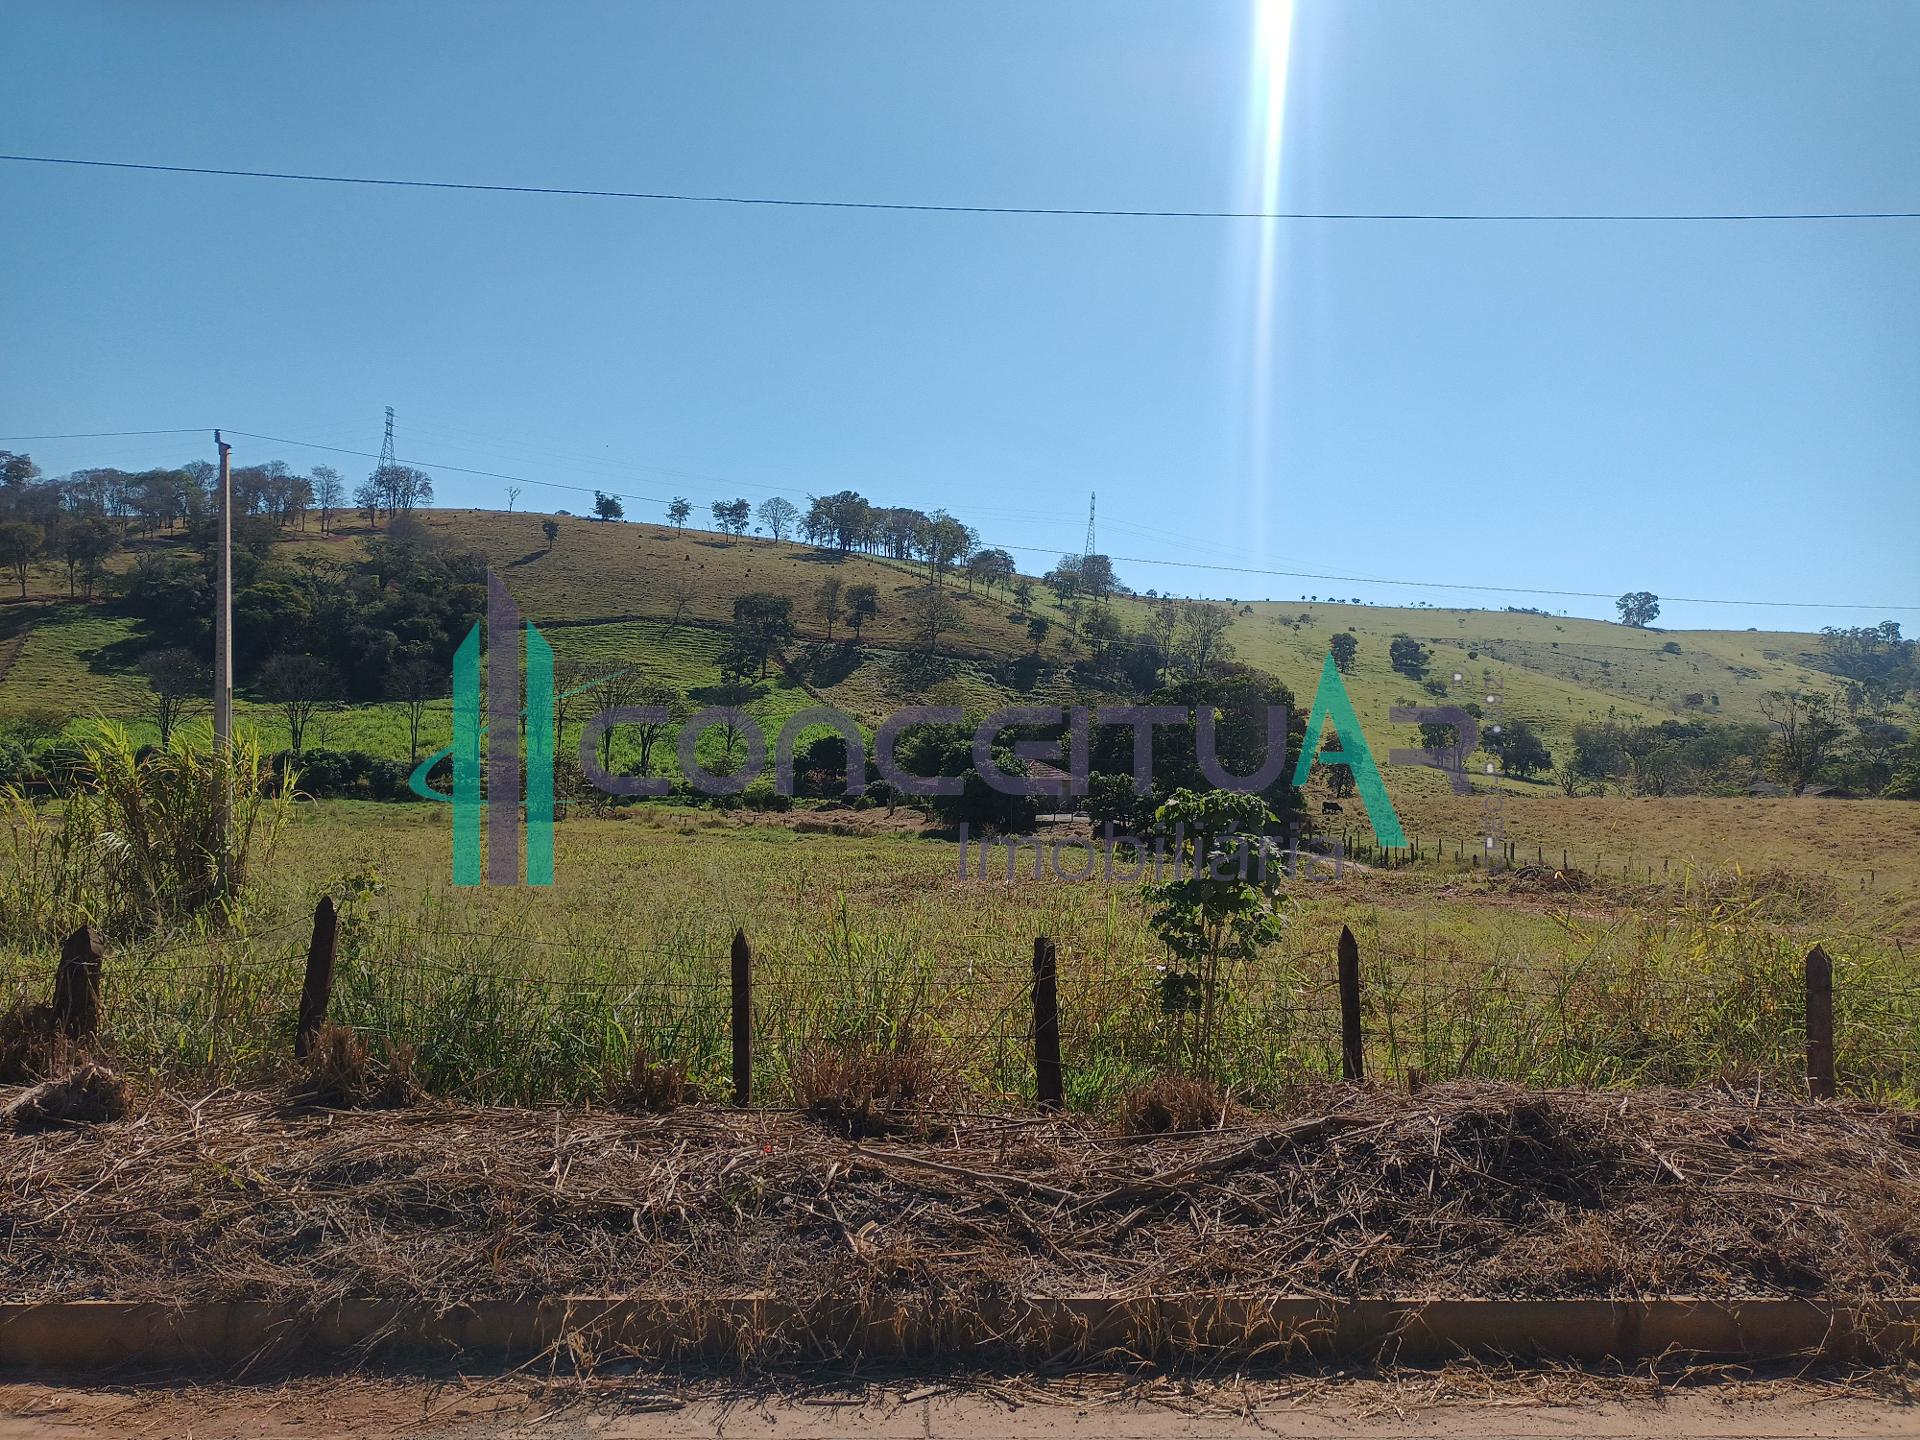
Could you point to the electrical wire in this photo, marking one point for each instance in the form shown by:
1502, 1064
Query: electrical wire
1099, 212
1119, 559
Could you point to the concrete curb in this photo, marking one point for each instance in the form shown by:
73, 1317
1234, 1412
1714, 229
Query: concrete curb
98, 1333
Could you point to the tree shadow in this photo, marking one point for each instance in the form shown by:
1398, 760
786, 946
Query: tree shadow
1022, 674
829, 663
528, 558
734, 695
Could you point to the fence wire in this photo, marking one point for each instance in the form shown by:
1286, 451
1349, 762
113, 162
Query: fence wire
504, 1016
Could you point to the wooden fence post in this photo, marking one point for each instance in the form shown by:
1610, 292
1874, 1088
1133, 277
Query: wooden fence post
742, 1020
318, 988
1353, 1064
1049, 1082
76, 984
1819, 1024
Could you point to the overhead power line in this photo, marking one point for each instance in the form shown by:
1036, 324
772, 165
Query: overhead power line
1118, 559
1096, 212
105, 434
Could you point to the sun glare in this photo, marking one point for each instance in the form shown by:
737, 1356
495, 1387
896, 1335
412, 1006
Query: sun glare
1271, 56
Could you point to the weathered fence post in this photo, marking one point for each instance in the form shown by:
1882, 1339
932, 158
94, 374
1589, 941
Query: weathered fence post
1049, 1082
742, 1020
76, 984
1353, 1063
318, 988
1819, 1024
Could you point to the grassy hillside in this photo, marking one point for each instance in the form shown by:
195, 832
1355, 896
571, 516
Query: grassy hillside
615, 595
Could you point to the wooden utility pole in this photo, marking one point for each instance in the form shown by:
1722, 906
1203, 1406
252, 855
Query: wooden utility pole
223, 656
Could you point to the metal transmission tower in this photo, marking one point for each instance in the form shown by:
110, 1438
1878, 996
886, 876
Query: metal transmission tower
386, 445
1092, 497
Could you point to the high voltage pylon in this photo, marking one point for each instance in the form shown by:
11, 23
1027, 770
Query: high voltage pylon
1092, 497
386, 445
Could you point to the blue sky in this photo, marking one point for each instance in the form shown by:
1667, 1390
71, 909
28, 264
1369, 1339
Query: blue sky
1720, 410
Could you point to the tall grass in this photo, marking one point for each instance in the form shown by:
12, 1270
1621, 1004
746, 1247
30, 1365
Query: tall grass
510, 1018
134, 846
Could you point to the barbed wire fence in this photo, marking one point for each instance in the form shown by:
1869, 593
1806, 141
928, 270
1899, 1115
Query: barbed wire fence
514, 1018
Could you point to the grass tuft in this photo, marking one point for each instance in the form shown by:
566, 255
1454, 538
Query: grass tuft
89, 1095
341, 1073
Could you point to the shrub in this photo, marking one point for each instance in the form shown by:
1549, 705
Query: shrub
136, 846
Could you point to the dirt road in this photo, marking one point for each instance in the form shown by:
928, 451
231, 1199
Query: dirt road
1442, 1406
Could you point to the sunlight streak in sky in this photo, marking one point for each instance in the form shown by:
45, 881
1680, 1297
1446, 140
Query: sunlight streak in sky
1271, 53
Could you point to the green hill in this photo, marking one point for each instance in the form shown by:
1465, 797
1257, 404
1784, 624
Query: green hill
615, 595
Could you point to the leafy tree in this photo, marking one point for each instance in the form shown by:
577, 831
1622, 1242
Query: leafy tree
826, 602
19, 543
1203, 629
301, 686
1338, 773
178, 682
1875, 658
401, 488
1408, 656
762, 623
1873, 750
1064, 579
863, 603
1344, 647
841, 519
1599, 756
945, 543
608, 507
731, 517
1520, 751
1111, 800
550, 529
779, 516
989, 568
1806, 730
679, 511
1639, 608
1023, 592
1097, 578
1102, 630
17, 472
1037, 629
85, 545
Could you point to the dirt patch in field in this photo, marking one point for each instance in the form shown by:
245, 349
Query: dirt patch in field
1461, 1189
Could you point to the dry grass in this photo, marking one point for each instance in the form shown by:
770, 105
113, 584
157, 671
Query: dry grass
1463, 1189
1173, 1104
31, 1044
648, 1087
341, 1072
89, 1095
861, 1090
